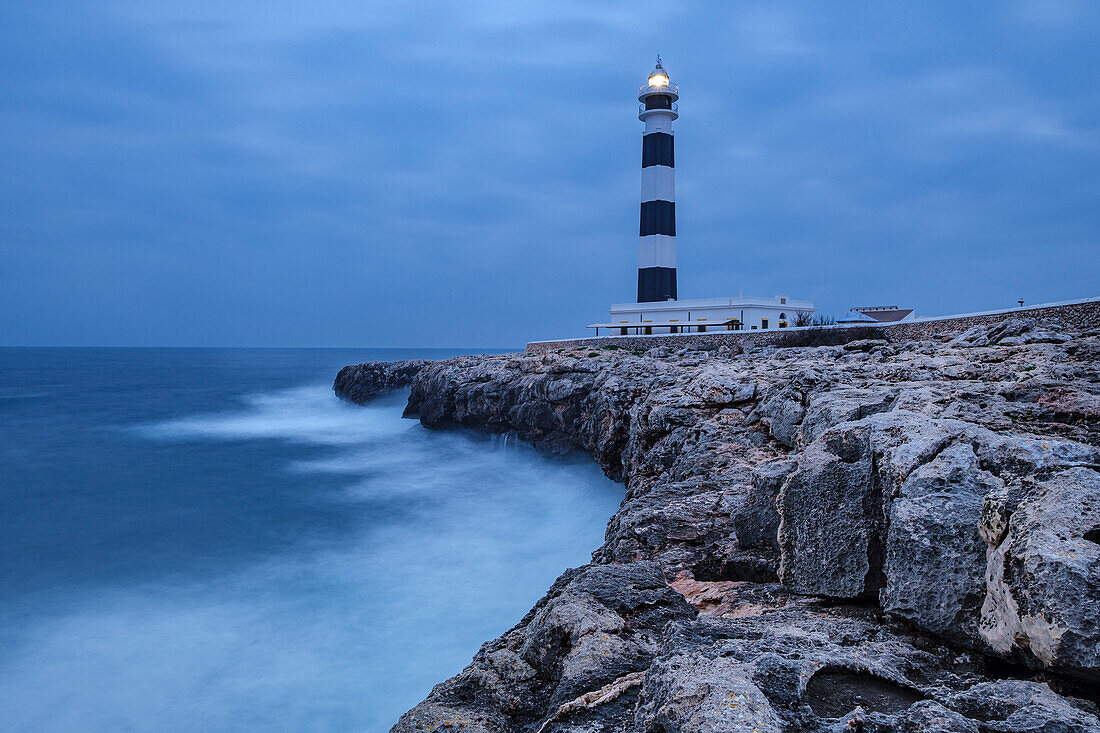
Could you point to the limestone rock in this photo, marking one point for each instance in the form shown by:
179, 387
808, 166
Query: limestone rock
935, 556
927, 716
697, 694
864, 344
930, 508
361, 383
830, 408
597, 625
1043, 579
830, 525
783, 412
1018, 706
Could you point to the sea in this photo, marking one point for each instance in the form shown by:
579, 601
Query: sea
210, 540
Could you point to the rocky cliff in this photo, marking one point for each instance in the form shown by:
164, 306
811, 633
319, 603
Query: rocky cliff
877, 536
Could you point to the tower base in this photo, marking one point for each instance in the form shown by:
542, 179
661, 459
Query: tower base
656, 284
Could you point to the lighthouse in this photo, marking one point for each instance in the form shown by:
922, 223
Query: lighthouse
659, 310
657, 244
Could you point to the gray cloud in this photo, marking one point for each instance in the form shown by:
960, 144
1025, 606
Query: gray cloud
280, 173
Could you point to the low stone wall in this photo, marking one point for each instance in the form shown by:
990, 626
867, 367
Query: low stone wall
1083, 314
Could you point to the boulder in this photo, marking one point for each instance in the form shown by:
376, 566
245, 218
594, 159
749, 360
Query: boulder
1042, 599
830, 519
783, 411
935, 554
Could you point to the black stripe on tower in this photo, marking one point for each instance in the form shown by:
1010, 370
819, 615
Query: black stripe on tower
658, 217
656, 284
657, 150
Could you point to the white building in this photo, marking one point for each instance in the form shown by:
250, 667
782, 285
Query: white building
703, 315
658, 310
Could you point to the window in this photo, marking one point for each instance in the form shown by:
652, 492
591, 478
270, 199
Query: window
764, 324
648, 330
702, 329
782, 316
782, 301
622, 331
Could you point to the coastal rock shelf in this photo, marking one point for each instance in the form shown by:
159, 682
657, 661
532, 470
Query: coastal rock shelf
879, 536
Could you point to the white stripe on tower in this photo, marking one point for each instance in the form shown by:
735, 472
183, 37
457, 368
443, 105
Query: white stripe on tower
657, 229
658, 182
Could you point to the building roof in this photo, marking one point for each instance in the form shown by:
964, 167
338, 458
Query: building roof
665, 324
887, 315
705, 303
857, 317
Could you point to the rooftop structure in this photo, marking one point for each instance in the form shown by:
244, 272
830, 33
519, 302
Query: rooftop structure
857, 317
882, 313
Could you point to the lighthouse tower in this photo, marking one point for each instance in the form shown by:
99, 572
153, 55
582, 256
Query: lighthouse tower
657, 247
658, 310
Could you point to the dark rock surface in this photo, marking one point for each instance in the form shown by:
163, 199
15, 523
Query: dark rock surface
597, 626
899, 537
360, 383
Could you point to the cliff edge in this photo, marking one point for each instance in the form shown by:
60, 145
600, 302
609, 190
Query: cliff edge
879, 536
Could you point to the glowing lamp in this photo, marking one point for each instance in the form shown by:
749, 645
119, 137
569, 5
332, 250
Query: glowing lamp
658, 80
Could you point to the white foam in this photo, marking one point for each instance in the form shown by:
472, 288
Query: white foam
311, 415
452, 539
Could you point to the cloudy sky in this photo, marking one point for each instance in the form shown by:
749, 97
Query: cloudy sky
339, 172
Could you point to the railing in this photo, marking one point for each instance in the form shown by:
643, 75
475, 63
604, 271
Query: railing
675, 108
670, 87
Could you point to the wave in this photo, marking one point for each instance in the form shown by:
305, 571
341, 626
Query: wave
309, 415
18, 395
447, 539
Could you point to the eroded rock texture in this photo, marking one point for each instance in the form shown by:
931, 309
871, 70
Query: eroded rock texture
361, 383
877, 537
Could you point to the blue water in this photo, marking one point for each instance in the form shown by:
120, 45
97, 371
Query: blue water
209, 540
